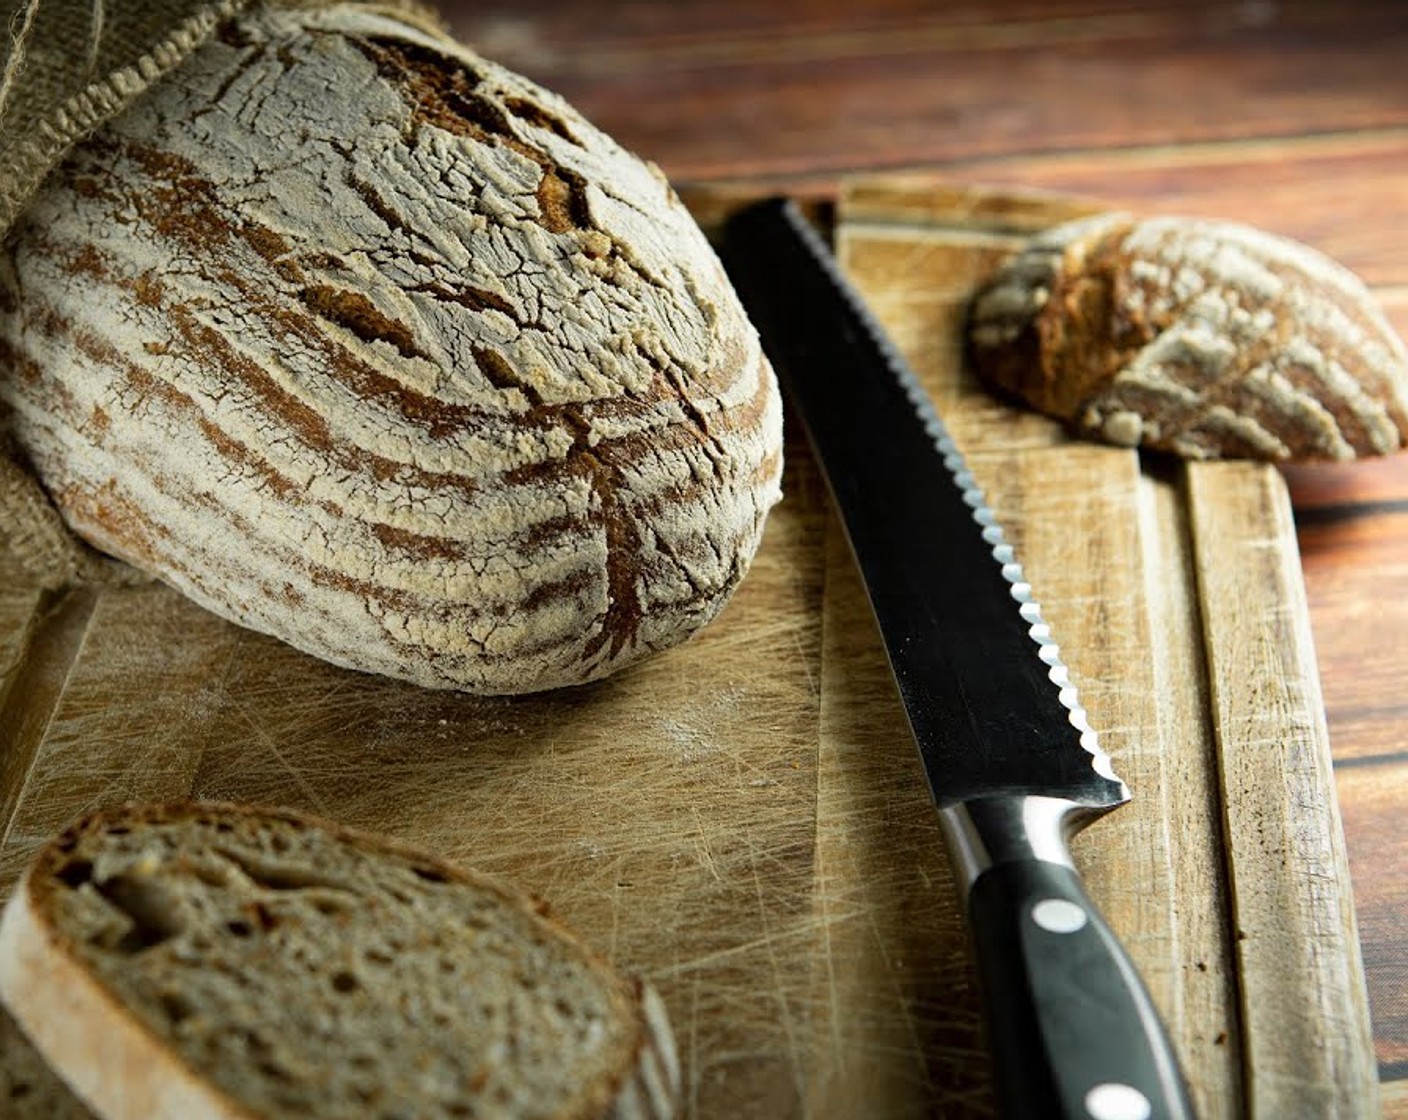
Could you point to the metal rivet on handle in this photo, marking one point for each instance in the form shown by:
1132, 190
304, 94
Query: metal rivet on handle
1056, 915
1113, 1101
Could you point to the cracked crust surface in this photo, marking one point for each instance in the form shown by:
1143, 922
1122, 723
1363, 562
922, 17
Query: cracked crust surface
225, 961
365, 342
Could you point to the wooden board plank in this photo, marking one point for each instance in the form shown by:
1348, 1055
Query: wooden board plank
1356, 569
1343, 486
1304, 1006
570, 34
1206, 1021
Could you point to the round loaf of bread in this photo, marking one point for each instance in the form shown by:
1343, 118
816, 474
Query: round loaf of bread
364, 342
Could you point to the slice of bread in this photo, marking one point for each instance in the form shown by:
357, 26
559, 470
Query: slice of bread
217, 961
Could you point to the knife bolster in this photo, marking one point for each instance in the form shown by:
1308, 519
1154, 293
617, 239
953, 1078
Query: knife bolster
988, 831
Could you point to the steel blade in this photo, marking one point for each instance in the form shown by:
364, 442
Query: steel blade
987, 696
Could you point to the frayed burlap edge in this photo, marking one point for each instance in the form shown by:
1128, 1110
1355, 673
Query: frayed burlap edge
32, 530
29, 161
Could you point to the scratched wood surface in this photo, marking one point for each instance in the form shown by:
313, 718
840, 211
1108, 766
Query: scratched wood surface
1290, 114
667, 813
743, 820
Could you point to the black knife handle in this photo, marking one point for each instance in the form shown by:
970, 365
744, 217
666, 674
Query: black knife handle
1074, 1033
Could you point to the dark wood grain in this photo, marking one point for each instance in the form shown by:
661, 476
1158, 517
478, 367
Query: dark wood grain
1290, 115
1294, 186
794, 88
1372, 797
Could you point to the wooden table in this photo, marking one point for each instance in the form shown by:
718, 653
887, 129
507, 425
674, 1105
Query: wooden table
1292, 115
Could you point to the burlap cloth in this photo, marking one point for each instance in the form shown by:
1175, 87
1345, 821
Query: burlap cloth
69, 66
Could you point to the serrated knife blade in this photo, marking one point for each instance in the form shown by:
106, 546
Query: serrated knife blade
1012, 763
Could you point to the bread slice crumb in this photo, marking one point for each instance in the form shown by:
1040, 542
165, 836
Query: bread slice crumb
231, 962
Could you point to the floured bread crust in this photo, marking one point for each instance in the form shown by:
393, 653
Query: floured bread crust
362, 341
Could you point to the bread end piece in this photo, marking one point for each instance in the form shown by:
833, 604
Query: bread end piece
1202, 338
1043, 329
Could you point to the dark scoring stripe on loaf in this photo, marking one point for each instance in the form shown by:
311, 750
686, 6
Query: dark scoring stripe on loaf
205, 224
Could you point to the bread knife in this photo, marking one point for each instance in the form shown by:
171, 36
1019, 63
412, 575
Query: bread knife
1012, 763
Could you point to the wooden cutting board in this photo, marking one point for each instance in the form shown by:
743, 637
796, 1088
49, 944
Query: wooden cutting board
743, 820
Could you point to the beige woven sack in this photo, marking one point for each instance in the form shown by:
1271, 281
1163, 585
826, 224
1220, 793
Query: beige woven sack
69, 66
